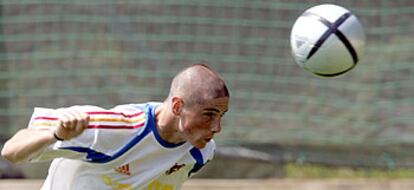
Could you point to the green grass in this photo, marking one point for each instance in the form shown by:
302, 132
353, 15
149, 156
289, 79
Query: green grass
292, 170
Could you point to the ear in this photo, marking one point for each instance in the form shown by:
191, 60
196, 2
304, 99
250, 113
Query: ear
177, 105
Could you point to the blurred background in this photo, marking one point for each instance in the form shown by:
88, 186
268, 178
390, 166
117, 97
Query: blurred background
283, 122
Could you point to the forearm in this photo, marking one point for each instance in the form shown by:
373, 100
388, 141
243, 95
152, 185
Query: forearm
25, 143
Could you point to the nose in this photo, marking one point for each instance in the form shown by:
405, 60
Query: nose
216, 126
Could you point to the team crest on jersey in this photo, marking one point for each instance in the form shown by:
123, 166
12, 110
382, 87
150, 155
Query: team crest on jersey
124, 169
175, 168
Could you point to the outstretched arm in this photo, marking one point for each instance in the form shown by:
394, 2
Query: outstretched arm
27, 142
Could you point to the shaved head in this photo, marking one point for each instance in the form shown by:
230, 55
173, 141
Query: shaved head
193, 110
198, 83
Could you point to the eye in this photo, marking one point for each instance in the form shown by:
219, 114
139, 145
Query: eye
209, 114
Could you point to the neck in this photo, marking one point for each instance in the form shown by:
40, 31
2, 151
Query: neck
166, 125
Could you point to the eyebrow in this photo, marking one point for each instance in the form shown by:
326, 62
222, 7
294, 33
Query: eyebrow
212, 109
215, 110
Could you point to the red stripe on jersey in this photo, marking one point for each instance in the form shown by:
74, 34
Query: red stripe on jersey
97, 113
104, 126
115, 126
114, 113
46, 118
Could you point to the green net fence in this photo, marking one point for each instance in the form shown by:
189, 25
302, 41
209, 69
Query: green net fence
60, 53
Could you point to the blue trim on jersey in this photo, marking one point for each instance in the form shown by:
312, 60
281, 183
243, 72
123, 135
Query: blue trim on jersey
97, 157
153, 127
90, 154
196, 153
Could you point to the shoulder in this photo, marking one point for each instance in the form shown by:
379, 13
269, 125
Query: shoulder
137, 107
130, 107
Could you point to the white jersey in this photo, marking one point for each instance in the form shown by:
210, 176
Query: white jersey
120, 150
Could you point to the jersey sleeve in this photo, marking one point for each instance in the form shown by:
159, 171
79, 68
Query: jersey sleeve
107, 132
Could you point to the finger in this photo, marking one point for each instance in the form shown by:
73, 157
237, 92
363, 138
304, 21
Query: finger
68, 119
82, 121
63, 118
85, 120
73, 120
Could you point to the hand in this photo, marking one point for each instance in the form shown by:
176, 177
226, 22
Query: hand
72, 123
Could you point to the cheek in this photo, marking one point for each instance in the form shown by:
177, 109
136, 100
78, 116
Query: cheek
186, 126
194, 128
193, 124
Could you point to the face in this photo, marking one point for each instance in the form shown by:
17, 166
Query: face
200, 122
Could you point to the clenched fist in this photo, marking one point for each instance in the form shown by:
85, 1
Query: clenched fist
72, 123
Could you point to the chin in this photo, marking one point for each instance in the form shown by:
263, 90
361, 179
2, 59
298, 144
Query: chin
200, 146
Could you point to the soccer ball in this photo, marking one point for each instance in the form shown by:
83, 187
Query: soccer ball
327, 40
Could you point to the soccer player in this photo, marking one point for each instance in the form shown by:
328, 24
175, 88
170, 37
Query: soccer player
154, 145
